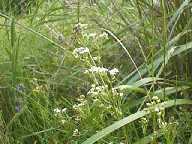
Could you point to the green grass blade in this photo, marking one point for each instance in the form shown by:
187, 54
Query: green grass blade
147, 80
132, 118
190, 140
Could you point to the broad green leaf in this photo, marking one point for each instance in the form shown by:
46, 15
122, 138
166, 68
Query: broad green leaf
160, 93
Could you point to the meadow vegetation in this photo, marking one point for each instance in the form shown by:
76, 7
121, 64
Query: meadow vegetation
95, 71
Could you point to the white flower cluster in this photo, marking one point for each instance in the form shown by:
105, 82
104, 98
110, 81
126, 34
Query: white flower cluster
114, 72
95, 90
157, 109
63, 121
95, 69
82, 102
96, 58
155, 100
162, 124
78, 106
101, 70
58, 111
103, 35
80, 51
76, 133
116, 93
144, 120
81, 98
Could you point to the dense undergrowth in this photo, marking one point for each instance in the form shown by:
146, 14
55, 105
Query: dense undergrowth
95, 71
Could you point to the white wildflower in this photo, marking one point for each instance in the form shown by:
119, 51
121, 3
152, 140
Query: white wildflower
148, 104
64, 110
86, 71
114, 91
103, 35
121, 94
155, 98
76, 132
75, 107
95, 90
100, 88
77, 118
93, 93
80, 51
114, 72
96, 58
157, 109
57, 110
143, 119
163, 124
95, 69
93, 85
63, 121
158, 101
82, 96
152, 103
109, 107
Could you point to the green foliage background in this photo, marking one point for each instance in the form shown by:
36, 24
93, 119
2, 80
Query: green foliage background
148, 41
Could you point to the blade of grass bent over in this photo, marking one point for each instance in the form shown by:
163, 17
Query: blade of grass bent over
124, 48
